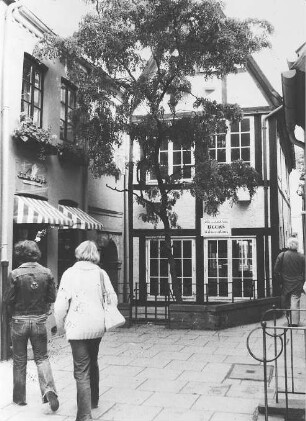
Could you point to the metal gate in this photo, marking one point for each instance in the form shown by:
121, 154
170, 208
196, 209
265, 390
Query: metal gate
148, 308
284, 346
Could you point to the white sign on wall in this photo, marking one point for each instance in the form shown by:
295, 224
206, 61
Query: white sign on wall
215, 227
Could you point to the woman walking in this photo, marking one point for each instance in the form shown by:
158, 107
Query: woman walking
79, 309
29, 295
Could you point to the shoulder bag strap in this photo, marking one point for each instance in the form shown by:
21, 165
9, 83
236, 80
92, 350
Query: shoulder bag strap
104, 293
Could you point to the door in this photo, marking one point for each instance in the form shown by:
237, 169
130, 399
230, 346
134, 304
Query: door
230, 268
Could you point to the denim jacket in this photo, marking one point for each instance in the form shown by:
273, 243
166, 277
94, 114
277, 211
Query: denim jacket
31, 290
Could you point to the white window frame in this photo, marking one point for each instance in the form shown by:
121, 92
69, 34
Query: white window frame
189, 298
170, 151
230, 266
228, 146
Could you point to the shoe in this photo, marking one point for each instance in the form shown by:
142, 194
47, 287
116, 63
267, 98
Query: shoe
53, 401
94, 405
20, 403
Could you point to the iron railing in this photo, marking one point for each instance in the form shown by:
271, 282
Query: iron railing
285, 354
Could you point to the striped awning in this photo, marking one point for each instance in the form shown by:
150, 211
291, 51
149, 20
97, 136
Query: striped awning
80, 218
34, 211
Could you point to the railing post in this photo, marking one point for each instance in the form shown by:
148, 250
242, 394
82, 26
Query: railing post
264, 344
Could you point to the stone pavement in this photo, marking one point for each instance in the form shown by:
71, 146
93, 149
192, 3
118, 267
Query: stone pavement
151, 373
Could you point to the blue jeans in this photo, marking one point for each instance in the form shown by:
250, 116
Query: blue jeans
24, 328
86, 374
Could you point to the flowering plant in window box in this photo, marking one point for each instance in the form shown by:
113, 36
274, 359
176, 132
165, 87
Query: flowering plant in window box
72, 152
35, 138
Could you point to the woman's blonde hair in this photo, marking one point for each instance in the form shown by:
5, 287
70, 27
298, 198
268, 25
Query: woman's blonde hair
293, 243
87, 251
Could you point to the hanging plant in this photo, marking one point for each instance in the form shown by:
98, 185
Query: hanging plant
72, 152
34, 138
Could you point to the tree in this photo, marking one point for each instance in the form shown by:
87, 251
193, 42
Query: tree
144, 52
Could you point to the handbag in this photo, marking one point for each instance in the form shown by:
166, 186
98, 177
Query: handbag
113, 317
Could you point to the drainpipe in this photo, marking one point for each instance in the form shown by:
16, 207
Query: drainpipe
4, 152
266, 197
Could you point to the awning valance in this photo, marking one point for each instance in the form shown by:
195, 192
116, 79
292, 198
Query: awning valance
80, 218
34, 211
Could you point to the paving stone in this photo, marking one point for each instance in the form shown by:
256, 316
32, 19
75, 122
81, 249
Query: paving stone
209, 389
126, 395
155, 385
169, 414
228, 404
160, 373
172, 400
122, 412
221, 416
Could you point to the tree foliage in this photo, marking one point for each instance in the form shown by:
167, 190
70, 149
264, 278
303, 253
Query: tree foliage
143, 52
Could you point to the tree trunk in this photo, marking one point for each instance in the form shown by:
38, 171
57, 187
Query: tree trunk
176, 284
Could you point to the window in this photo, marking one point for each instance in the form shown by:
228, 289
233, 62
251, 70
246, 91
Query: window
236, 144
175, 160
230, 268
32, 90
158, 273
68, 104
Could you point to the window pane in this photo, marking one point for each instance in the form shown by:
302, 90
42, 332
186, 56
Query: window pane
37, 98
153, 267
164, 286
237, 288
235, 268
27, 71
212, 287
36, 116
163, 267
62, 112
212, 267
187, 268
245, 125
235, 140
187, 157
26, 92
221, 141
154, 248
178, 267
63, 94
223, 288
235, 127
245, 139
223, 267
187, 287
212, 154
176, 249
212, 248
163, 249
245, 154
153, 286
222, 248
248, 288
176, 158
186, 172
221, 155
235, 154
25, 108
187, 248
37, 79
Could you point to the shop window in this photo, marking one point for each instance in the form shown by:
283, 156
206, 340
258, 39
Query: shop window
32, 89
68, 104
236, 144
231, 268
158, 272
176, 161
